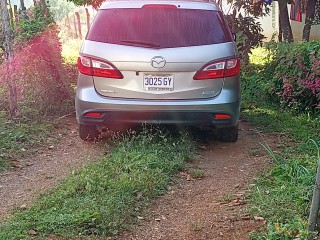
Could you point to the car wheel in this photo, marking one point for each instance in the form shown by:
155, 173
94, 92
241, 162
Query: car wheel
229, 134
89, 132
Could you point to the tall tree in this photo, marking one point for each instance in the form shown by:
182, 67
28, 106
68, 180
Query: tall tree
310, 12
9, 57
260, 8
284, 21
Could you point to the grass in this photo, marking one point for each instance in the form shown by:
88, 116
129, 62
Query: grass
19, 138
105, 197
282, 194
228, 197
70, 50
196, 173
26, 136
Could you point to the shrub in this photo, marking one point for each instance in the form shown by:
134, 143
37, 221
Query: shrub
42, 76
42, 80
296, 75
43, 86
35, 22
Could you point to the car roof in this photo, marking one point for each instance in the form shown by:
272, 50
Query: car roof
184, 4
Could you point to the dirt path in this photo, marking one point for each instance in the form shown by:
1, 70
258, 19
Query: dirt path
209, 208
34, 175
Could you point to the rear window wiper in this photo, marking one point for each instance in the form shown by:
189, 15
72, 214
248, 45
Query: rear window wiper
143, 43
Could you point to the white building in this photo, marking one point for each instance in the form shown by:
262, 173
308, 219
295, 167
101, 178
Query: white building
270, 23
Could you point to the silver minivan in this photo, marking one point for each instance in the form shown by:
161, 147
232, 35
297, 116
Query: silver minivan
163, 62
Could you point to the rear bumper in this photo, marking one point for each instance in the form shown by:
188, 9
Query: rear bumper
200, 113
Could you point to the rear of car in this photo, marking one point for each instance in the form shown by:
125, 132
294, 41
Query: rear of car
164, 62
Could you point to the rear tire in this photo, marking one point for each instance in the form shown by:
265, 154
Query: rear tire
229, 134
89, 132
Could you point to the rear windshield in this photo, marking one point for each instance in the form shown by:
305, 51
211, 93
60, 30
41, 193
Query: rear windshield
159, 27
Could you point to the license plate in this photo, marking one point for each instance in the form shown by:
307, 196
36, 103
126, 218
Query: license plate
158, 82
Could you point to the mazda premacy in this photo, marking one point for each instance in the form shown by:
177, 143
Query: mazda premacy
162, 62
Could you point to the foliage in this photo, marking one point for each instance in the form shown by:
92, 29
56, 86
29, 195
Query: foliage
293, 229
290, 76
316, 19
43, 84
248, 33
18, 138
252, 8
282, 193
296, 79
106, 196
247, 29
36, 22
61, 9
94, 3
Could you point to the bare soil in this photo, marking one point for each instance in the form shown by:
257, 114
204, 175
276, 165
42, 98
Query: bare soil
34, 175
209, 207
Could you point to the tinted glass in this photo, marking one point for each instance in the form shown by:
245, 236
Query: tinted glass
159, 27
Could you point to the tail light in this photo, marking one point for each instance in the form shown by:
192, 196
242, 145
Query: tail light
219, 69
98, 68
222, 116
93, 114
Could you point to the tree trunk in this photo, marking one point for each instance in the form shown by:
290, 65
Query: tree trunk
10, 13
284, 21
79, 24
8, 52
280, 35
88, 19
75, 26
23, 10
311, 7
22, 6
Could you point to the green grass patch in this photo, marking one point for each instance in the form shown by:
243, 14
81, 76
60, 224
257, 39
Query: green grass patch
282, 194
196, 173
105, 197
19, 138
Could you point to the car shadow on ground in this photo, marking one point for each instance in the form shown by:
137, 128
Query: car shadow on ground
198, 135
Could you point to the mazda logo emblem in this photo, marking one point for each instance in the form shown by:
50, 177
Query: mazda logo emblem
158, 62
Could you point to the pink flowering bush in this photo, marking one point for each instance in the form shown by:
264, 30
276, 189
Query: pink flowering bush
42, 81
296, 75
